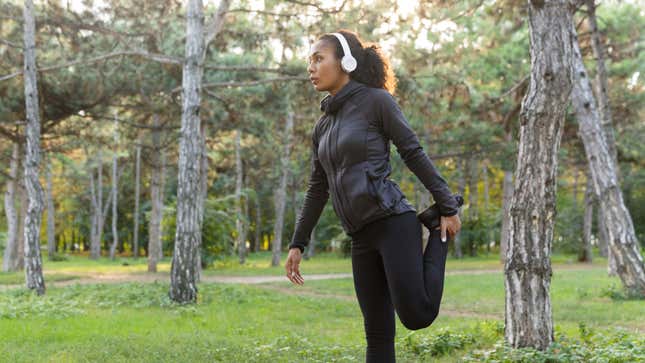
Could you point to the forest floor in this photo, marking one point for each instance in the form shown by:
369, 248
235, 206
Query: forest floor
268, 282
255, 311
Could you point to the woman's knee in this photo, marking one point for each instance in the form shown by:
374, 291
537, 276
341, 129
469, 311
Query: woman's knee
415, 320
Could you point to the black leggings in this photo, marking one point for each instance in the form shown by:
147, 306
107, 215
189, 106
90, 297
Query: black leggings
391, 272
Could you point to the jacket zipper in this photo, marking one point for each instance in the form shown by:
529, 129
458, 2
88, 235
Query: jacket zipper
338, 185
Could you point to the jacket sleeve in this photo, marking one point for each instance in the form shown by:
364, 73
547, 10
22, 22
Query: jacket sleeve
396, 127
315, 199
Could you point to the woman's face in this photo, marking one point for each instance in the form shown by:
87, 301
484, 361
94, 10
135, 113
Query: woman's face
324, 68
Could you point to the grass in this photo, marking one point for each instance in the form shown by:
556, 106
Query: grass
278, 322
15, 278
256, 264
136, 322
576, 296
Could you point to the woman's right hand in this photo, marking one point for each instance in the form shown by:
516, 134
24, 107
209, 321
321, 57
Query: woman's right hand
293, 261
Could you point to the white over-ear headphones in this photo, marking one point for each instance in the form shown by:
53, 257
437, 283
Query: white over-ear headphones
348, 63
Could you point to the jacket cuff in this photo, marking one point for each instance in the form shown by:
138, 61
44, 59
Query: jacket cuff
449, 214
298, 245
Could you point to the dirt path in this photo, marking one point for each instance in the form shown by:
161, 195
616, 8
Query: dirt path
108, 278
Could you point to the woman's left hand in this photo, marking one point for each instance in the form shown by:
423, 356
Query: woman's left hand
450, 225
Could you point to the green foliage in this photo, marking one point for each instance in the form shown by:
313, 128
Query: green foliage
620, 292
474, 234
444, 342
57, 257
611, 346
217, 230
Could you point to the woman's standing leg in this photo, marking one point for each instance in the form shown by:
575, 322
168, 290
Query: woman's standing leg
374, 298
415, 277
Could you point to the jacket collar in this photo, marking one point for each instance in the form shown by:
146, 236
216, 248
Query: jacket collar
331, 104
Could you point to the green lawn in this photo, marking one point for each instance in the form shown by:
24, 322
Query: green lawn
280, 322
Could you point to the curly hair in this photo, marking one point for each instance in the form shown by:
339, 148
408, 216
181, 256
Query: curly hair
373, 66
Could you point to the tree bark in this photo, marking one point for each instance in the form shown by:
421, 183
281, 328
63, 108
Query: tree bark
10, 256
51, 218
99, 212
604, 108
33, 260
473, 197
281, 193
621, 236
137, 192
312, 245
183, 286
183, 277
461, 187
246, 217
203, 194
24, 201
115, 181
602, 85
156, 198
587, 224
507, 182
528, 316
258, 222
239, 224
507, 195
491, 239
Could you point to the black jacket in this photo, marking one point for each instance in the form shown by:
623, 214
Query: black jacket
351, 159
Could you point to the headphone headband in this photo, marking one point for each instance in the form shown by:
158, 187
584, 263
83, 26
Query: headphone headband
343, 43
348, 63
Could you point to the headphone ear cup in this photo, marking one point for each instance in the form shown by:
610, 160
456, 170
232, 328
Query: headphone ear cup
348, 63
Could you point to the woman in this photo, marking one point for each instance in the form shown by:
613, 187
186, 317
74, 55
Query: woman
350, 161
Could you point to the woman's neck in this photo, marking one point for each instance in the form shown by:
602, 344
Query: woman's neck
338, 88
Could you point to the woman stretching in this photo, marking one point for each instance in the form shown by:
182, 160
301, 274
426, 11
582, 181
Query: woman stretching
350, 162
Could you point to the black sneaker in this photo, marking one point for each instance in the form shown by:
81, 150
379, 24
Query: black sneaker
431, 217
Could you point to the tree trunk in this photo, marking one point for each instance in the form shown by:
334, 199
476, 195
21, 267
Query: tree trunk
574, 191
24, 201
312, 245
473, 196
156, 198
137, 192
33, 260
281, 193
51, 225
461, 187
115, 231
491, 238
10, 256
245, 214
203, 194
528, 315
621, 236
94, 208
602, 86
98, 214
239, 224
258, 223
162, 189
587, 224
507, 195
183, 277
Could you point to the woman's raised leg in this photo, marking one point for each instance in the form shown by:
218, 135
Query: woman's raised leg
415, 277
